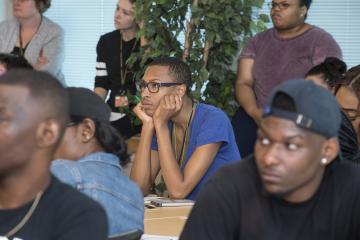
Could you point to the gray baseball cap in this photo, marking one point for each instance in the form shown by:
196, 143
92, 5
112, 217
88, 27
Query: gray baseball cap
86, 103
316, 109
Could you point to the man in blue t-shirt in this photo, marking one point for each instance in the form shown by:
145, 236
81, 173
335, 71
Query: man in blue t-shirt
192, 140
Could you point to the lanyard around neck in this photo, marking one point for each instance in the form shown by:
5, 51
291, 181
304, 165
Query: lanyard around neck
181, 159
21, 48
124, 66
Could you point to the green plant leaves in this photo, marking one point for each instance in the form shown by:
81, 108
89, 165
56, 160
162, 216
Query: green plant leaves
221, 25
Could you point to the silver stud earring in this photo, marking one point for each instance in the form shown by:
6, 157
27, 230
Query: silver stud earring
324, 161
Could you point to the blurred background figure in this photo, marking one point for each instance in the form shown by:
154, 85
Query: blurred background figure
286, 51
114, 75
331, 74
348, 97
91, 154
33, 36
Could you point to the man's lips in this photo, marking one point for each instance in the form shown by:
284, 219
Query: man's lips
146, 104
276, 16
270, 177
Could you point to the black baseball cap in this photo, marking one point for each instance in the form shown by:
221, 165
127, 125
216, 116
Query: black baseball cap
86, 103
316, 109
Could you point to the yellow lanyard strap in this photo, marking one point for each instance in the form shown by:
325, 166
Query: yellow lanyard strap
181, 158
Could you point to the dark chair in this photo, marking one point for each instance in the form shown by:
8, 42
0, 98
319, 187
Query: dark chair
131, 235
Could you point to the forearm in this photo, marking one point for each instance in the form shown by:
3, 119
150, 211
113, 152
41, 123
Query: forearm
140, 171
174, 178
101, 92
144, 42
54, 52
245, 96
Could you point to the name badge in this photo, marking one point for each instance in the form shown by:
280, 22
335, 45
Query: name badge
121, 101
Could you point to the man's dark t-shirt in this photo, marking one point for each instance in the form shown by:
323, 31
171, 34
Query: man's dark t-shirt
62, 213
234, 205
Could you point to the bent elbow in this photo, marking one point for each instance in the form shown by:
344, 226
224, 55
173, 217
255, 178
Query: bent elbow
145, 188
178, 194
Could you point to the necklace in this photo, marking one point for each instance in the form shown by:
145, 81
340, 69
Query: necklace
123, 66
26, 217
21, 50
180, 159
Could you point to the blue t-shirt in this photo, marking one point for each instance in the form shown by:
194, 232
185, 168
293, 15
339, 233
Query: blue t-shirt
209, 125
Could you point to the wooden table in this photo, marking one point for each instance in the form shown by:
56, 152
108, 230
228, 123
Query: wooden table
165, 221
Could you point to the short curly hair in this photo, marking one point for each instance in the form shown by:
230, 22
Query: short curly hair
42, 5
178, 69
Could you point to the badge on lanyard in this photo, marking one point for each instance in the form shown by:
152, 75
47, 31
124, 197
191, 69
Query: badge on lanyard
2, 72
121, 101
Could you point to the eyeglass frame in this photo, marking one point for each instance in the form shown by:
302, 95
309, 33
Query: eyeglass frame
22, 1
351, 118
281, 5
142, 84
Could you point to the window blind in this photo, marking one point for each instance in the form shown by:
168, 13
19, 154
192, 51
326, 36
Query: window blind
83, 21
342, 20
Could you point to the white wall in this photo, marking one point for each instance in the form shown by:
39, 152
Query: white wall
5, 10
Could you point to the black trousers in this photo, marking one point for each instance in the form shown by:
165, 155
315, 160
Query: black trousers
245, 130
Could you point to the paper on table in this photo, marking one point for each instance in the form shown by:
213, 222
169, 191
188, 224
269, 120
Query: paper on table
114, 116
167, 202
150, 197
157, 237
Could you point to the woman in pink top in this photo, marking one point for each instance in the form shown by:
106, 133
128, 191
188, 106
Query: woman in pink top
286, 51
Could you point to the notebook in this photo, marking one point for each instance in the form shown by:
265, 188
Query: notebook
166, 202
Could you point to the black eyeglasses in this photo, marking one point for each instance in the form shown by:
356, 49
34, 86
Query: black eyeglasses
154, 87
351, 113
282, 5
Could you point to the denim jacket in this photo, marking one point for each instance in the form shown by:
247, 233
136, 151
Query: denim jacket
99, 175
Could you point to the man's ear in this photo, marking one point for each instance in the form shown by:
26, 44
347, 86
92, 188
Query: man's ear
330, 150
181, 90
48, 133
87, 130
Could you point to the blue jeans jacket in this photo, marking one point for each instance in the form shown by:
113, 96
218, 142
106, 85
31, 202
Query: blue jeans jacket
99, 175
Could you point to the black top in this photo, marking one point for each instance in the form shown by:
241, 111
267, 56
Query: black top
62, 213
18, 51
348, 139
108, 66
233, 205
